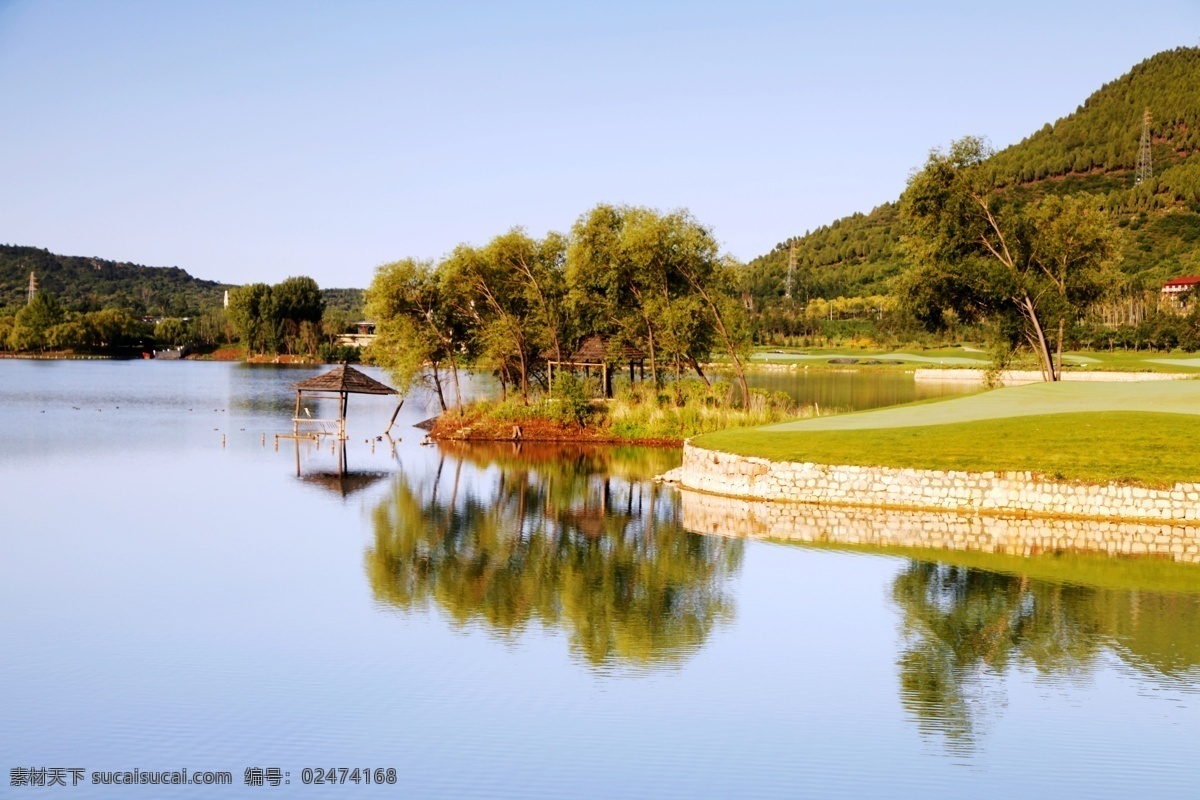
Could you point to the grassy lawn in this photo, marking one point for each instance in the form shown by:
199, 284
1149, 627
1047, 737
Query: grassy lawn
1150, 448
1146, 433
909, 358
1178, 397
971, 356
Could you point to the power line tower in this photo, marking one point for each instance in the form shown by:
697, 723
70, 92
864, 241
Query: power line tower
1145, 165
32, 289
791, 276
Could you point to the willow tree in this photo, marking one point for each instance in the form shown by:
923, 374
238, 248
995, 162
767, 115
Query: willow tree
658, 281
513, 289
977, 251
421, 334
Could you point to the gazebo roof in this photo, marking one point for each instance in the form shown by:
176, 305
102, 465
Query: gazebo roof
595, 350
343, 378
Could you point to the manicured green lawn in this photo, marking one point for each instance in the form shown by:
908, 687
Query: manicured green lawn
1150, 448
1179, 397
975, 357
1146, 433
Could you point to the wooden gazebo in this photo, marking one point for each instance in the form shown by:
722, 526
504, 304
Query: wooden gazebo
595, 351
337, 384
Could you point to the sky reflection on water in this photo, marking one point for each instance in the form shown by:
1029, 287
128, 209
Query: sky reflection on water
166, 602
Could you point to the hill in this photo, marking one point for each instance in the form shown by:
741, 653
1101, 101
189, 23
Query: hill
81, 283
1094, 150
87, 284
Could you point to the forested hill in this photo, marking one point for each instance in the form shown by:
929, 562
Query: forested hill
86, 284
89, 284
1093, 149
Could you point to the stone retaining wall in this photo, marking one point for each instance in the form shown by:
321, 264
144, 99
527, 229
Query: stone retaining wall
757, 519
1019, 494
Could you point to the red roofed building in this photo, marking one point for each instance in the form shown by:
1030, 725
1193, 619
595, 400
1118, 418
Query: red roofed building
1177, 292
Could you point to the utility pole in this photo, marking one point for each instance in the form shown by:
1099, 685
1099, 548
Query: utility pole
1145, 165
32, 289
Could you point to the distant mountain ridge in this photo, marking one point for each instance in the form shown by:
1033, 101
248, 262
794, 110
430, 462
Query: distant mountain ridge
1093, 150
83, 283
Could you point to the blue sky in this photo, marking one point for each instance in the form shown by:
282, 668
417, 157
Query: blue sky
254, 140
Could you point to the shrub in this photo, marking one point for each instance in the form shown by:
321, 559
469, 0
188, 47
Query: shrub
571, 404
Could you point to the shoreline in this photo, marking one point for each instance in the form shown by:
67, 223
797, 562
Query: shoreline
534, 432
1006, 494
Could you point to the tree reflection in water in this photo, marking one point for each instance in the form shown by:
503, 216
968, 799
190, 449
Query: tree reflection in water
572, 537
965, 628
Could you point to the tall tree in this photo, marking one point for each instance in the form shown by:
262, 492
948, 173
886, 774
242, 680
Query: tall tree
298, 305
658, 281
420, 329
978, 252
33, 322
252, 312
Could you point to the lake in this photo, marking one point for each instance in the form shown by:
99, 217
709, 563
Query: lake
495, 621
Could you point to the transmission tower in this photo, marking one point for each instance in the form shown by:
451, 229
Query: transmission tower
1145, 165
32, 289
791, 276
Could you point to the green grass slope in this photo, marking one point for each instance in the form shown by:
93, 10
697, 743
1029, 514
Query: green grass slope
1146, 433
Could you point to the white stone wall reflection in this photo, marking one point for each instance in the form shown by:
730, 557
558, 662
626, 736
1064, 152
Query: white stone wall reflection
879, 527
994, 493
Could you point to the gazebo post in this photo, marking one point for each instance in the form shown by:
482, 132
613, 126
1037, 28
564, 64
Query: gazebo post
342, 415
296, 415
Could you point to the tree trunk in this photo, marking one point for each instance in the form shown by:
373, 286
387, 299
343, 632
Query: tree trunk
437, 384
721, 329
1043, 346
1058, 355
457, 391
653, 363
700, 372
524, 376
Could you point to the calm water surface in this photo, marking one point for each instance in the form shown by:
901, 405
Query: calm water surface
536, 622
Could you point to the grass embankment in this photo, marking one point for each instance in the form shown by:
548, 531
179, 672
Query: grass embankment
637, 415
1144, 433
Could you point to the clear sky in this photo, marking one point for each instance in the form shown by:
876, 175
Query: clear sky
254, 140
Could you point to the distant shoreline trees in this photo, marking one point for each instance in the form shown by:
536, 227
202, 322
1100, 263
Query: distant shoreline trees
284, 318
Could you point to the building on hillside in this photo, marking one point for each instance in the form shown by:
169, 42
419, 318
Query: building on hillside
1178, 293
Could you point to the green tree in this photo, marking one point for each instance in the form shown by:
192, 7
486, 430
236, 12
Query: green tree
34, 321
174, 332
657, 281
981, 254
420, 328
252, 312
297, 306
